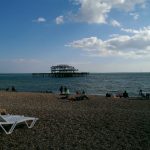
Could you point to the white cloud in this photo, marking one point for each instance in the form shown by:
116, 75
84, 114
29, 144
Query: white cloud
135, 46
135, 16
115, 23
126, 5
114, 35
96, 11
92, 11
130, 30
40, 20
136, 31
59, 20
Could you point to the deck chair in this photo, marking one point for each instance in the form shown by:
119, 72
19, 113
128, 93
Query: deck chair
14, 120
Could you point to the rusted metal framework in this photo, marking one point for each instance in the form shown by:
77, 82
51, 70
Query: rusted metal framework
63, 69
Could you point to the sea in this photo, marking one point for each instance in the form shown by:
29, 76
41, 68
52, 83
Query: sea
94, 83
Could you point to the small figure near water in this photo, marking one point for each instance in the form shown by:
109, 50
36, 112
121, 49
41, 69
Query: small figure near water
7, 89
64, 91
122, 94
81, 96
141, 93
61, 89
78, 95
145, 95
13, 89
84, 95
108, 95
67, 92
125, 94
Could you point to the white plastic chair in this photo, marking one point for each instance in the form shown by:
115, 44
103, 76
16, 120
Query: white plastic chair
13, 120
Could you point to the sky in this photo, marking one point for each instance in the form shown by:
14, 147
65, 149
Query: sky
92, 35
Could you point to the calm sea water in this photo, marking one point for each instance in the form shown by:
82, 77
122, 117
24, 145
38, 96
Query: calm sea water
99, 83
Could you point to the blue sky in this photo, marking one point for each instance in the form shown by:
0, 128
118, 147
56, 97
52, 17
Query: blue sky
92, 35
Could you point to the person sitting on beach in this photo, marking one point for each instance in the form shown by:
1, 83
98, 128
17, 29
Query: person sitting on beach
108, 95
125, 94
84, 95
7, 89
3, 112
120, 95
80, 96
13, 89
77, 96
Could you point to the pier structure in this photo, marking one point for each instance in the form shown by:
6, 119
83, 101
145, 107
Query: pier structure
61, 71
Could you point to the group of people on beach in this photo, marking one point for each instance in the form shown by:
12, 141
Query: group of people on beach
81, 95
141, 94
120, 95
144, 95
64, 90
65, 94
10, 89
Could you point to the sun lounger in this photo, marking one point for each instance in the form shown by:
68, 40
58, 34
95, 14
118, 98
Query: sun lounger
14, 120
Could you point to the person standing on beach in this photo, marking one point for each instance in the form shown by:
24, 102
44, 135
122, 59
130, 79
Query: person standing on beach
140, 92
61, 89
65, 90
67, 93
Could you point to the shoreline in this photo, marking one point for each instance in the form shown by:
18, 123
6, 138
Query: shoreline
72, 94
93, 84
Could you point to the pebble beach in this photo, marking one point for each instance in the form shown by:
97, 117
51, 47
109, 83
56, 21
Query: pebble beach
96, 123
